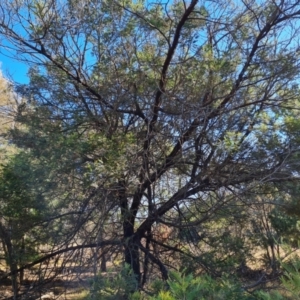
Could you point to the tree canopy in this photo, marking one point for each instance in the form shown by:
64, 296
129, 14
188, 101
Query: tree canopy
156, 127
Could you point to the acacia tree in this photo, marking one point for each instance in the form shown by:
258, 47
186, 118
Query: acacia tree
144, 110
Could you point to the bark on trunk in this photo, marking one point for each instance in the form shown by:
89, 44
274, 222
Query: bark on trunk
146, 259
21, 260
131, 252
103, 262
131, 248
11, 260
14, 280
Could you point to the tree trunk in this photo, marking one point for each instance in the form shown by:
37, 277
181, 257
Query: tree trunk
131, 251
21, 258
146, 259
11, 259
103, 261
14, 280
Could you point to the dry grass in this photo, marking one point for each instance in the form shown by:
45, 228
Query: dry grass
71, 282
74, 282
77, 296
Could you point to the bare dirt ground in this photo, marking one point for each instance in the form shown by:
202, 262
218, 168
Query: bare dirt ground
70, 278
73, 282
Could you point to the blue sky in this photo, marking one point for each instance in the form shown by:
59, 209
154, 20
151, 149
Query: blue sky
13, 69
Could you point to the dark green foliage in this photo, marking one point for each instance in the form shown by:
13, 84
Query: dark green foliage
186, 286
113, 287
